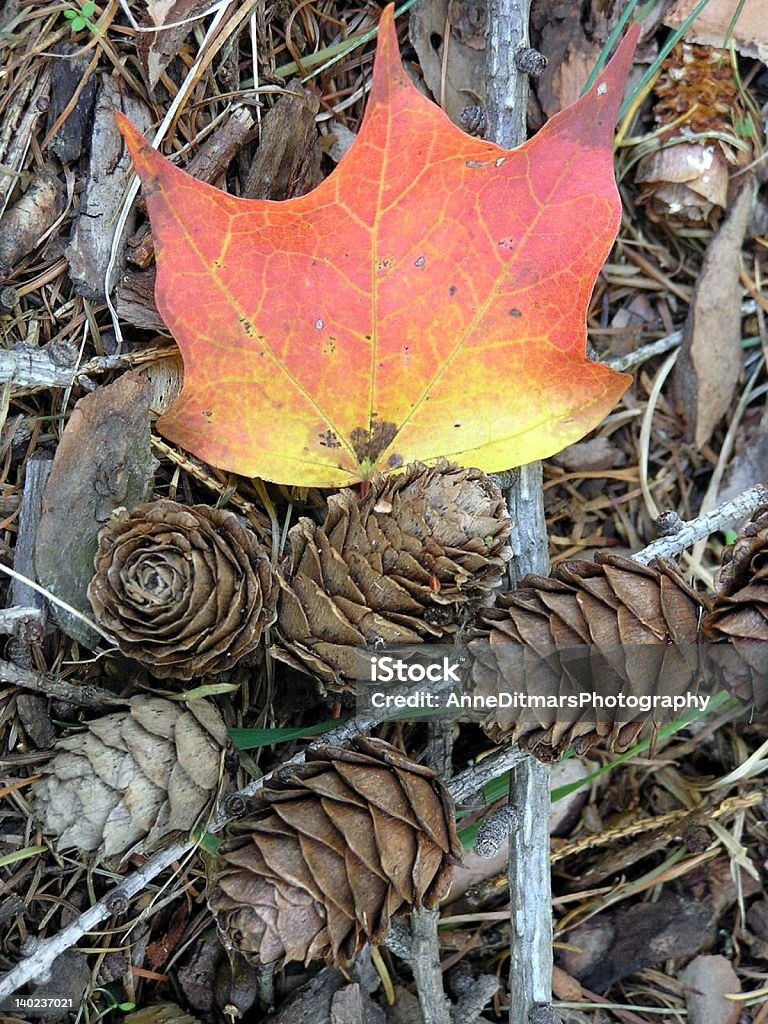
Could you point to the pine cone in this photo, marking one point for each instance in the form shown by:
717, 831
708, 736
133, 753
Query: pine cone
400, 565
330, 851
611, 626
697, 93
185, 590
131, 778
740, 614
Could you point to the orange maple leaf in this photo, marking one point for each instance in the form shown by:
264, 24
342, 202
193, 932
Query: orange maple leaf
427, 299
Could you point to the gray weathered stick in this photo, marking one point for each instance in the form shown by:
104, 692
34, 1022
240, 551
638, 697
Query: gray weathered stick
82, 695
425, 944
530, 972
688, 533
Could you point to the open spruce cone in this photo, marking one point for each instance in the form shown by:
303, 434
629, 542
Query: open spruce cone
330, 851
402, 565
131, 778
187, 590
611, 626
739, 614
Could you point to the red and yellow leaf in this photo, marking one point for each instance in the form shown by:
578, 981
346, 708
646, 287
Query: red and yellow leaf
427, 299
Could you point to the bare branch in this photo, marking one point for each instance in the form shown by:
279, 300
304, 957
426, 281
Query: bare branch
80, 694
688, 533
530, 976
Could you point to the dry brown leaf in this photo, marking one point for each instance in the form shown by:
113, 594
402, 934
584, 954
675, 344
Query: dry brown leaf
710, 361
750, 33
157, 49
461, 80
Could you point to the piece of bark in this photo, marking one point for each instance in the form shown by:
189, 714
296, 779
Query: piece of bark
103, 462
25, 106
317, 1002
73, 135
36, 475
69, 980
28, 219
32, 708
711, 361
618, 942
347, 1005
712, 25
614, 945
707, 980
135, 300
287, 162
461, 83
34, 716
405, 1009
560, 34
109, 171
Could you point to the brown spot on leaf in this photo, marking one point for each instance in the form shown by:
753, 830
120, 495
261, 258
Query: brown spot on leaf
328, 439
369, 444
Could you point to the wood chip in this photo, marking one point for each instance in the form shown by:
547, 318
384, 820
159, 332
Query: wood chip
103, 461
109, 172
708, 979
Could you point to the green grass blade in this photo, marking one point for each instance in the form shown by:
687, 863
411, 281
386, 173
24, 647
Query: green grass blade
252, 739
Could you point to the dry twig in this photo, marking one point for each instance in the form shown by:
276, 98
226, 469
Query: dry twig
530, 971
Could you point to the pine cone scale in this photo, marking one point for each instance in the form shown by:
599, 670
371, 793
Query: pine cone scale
355, 825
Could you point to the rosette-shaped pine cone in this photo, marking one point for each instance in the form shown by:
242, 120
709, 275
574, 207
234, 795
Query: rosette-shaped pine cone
329, 851
131, 778
401, 565
739, 614
184, 589
613, 628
